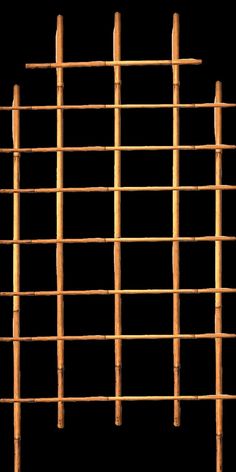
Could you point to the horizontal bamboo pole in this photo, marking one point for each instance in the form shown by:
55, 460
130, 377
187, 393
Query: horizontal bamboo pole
122, 106
201, 147
128, 337
224, 396
122, 189
69, 65
183, 239
50, 293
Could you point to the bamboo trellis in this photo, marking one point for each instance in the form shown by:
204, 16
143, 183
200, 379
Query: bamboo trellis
118, 292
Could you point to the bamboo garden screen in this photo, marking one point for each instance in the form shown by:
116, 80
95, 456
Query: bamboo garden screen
117, 240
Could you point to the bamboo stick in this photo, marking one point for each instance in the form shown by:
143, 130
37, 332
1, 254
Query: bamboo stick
122, 189
111, 337
117, 216
175, 220
159, 291
120, 398
201, 147
16, 281
112, 106
59, 224
218, 282
183, 239
162, 62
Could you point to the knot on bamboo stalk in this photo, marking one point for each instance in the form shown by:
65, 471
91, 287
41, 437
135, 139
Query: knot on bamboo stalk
219, 437
218, 307
117, 82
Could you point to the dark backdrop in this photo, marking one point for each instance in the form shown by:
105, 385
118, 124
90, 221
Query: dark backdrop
27, 35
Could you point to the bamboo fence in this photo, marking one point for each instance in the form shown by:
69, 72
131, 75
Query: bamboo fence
118, 292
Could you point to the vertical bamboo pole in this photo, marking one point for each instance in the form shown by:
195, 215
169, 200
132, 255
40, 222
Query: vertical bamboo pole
117, 214
16, 280
218, 281
59, 229
175, 220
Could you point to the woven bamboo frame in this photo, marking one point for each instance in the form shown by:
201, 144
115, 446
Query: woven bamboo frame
118, 292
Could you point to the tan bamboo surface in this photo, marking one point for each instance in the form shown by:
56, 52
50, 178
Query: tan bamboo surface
175, 220
218, 282
159, 291
122, 189
183, 239
122, 106
59, 223
164, 62
200, 147
16, 281
127, 398
111, 337
117, 216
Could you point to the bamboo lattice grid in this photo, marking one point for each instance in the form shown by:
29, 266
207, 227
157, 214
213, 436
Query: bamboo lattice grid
117, 240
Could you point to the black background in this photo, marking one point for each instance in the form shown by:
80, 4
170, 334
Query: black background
27, 35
